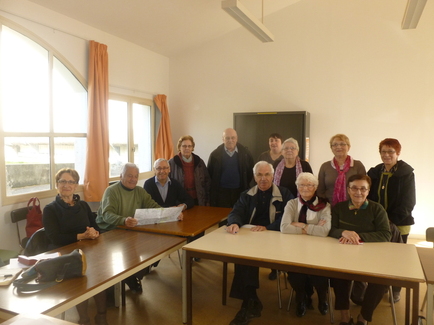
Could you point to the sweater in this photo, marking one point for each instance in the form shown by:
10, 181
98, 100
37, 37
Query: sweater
327, 177
371, 223
62, 222
292, 211
118, 203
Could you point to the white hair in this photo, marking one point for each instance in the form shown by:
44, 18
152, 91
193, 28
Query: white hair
158, 161
311, 178
262, 163
291, 140
129, 165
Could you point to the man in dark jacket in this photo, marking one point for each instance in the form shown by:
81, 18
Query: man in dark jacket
230, 168
262, 206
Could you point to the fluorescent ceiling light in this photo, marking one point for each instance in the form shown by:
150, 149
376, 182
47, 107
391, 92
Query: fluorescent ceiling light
247, 19
412, 13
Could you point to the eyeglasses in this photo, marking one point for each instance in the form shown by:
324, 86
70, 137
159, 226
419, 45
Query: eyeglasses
309, 186
63, 182
355, 189
161, 168
290, 148
186, 146
387, 152
342, 144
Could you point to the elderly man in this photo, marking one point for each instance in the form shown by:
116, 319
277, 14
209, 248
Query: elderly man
118, 206
165, 191
230, 169
263, 206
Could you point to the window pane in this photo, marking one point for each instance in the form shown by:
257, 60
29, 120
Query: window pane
24, 83
69, 101
118, 136
70, 153
142, 137
27, 165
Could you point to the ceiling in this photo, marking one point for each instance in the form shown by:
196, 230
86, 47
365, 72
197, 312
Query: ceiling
163, 26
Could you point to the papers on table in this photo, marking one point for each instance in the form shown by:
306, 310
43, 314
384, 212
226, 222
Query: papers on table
8, 274
160, 215
31, 260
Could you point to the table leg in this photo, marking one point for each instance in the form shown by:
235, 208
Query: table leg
429, 304
187, 294
225, 283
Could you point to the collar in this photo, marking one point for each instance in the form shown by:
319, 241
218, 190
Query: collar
230, 153
351, 162
167, 182
362, 207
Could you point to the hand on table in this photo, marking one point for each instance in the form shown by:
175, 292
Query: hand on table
130, 222
350, 237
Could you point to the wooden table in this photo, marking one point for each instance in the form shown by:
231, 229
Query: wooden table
35, 320
370, 262
426, 256
196, 220
112, 257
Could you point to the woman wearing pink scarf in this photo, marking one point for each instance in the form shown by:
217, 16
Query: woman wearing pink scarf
287, 170
333, 174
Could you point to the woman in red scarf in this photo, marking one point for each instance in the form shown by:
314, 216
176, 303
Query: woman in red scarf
333, 174
307, 215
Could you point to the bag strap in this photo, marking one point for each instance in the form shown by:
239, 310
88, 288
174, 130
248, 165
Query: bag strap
31, 201
22, 285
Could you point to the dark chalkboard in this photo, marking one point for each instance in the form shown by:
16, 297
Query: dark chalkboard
254, 129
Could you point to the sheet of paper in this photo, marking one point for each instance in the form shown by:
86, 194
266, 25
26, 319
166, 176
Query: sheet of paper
160, 215
8, 274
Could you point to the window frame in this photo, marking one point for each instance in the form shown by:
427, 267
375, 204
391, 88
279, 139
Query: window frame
130, 100
52, 52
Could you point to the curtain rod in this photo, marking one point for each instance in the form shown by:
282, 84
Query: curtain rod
44, 25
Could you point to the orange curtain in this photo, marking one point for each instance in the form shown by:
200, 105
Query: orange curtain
164, 144
96, 176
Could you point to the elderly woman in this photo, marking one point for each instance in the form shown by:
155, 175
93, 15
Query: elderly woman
190, 170
356, 221
68, 219
393, 186
288, 169
307, 215
275, 153
334, 173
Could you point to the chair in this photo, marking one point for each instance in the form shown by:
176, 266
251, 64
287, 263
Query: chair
18, 215
429, 236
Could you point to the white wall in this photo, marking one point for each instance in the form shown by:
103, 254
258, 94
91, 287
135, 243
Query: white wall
133, 70
346, 62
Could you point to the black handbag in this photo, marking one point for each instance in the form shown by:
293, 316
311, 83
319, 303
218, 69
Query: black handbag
49, 272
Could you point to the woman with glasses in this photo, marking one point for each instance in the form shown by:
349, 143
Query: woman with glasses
287, 170
333, 174
307, 215
355, 221
393, 186
190, 170
67, 220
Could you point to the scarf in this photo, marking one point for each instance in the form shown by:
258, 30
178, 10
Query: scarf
310, 204
281, 167
340, 192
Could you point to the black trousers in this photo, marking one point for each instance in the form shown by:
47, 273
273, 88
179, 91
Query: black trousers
245, 282
302, 285
373, 295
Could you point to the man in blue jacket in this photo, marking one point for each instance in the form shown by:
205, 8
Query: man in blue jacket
262, 206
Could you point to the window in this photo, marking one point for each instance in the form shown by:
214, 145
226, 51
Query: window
43, 109
130, 132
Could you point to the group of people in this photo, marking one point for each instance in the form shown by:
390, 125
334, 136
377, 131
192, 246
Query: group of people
342, 202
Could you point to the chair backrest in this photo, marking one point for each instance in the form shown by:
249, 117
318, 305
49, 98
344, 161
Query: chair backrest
18, 215
429, 234
37, 244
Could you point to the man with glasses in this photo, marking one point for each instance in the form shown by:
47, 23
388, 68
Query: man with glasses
165, 191
261, 206
355, 221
